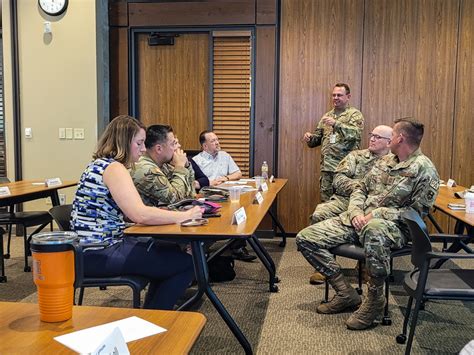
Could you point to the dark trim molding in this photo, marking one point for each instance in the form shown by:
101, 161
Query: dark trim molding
16, 112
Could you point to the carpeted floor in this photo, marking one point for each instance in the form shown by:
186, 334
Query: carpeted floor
286, 322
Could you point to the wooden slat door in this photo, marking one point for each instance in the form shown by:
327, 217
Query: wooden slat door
231, 106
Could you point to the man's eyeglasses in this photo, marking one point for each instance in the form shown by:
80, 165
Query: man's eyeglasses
377, 137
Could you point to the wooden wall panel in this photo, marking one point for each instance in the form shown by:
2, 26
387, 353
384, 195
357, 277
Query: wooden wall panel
389, 61
173, 85
206, 12
267, 12
321, 44
264, 121
463, 138
118, 71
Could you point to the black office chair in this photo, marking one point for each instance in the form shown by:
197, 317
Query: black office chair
425, 283
62, 215
357, 252
25, 219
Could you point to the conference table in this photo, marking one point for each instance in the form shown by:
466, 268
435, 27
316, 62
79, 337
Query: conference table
222, 229
464, 221
22, 332
28, 190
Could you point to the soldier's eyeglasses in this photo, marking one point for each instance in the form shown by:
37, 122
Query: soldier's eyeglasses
377, 137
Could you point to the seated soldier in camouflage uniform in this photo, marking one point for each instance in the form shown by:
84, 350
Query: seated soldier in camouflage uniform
163, 175
404, 179
348, 173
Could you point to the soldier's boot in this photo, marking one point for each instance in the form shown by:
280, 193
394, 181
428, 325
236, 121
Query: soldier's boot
371, 308
345, 298
317, 278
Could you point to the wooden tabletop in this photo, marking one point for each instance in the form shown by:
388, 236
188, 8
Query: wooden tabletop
28, 187
21, 331
222, 226
445, 196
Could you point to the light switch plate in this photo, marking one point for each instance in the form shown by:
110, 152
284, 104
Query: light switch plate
62, 133
68, 133
28, 133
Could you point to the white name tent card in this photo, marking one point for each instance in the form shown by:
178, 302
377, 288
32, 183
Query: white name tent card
53, 182
239, 216
113, 344
264, 187
258, 199
272, 179
5, 191
87, 340
451, 183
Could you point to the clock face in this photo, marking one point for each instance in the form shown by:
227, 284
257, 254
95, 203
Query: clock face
53, 7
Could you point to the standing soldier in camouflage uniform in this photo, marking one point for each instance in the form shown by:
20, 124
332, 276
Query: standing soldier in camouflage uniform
163, 175
348, 174
398, 181
338, 132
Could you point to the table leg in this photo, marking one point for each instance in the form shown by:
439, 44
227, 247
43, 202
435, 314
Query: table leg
458, 245
202, 276
55, 198
3, 278
266, 260
277, 222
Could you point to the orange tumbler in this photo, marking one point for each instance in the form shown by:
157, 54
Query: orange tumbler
55, 255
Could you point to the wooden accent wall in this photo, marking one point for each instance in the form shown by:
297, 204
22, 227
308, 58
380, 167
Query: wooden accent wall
414, 58
321, 44
173, 85
463, 136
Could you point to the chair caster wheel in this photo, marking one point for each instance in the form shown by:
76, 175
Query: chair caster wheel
273, 288
359, 290
401, 338
3, 279
276, 279
386, 321
27, 269
102, 288
6, 256
282, 244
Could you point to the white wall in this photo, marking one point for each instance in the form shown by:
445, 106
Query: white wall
58, 84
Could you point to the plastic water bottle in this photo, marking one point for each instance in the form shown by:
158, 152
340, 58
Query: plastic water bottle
265, 170
469, 198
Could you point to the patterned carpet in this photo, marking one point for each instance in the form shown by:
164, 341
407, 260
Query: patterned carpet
286, 322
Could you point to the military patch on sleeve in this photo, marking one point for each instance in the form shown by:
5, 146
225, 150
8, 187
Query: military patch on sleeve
434, 184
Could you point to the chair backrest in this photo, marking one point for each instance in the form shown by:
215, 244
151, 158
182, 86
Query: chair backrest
62, 215
421, 243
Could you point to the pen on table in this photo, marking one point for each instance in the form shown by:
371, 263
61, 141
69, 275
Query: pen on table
37, 183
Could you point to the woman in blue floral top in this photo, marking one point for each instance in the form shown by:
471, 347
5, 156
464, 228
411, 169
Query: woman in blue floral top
105, 195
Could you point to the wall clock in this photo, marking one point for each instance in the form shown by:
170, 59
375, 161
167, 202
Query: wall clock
53, 7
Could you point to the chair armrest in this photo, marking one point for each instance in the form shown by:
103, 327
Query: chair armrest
441, 255
448, 237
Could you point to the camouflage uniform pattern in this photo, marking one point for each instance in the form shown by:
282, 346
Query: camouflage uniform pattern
162, 186
348, 130
386, 192
348, 173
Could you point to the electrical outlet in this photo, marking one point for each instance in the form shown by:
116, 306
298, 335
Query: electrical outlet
78, 133
62, 199
62, 133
